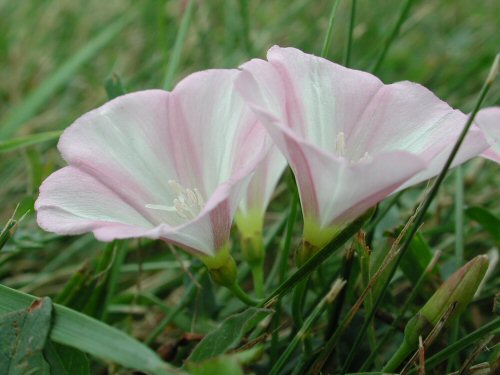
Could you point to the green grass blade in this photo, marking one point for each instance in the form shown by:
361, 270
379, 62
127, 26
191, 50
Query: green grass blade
36, 99
91, 336
29, 140
492, 327
348, 47
405, 10
175, 57
329, 32
459, 248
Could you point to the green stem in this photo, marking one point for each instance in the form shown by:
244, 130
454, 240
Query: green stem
459, 248
397, 358
280, 265
258, 278
298, 300
299, 293
186, 298
300, 335
348, 48
415, 290
242, 296
424, 207
317, 259
329, 32
405, 10
492, 327
178, 44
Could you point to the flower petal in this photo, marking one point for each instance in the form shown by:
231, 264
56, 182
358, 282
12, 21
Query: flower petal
263, 182
488, 119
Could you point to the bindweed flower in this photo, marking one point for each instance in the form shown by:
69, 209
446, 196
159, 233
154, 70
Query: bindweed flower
488, 119
349, 139
160, 165
459, 288
250, 215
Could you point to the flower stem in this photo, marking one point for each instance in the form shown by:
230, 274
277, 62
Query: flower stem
317, 259
242, 295
398, 357
258, 278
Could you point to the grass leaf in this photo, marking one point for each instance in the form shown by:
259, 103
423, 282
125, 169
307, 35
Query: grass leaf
228, 334
22, 338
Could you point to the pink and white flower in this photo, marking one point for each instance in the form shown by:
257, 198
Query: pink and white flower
350, 140
488, 119
156, 164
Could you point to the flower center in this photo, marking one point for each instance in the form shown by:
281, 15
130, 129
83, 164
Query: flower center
340, 150
188, 202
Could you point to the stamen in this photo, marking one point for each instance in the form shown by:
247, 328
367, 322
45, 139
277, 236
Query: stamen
200, 200
340, 145
365, 157
187, 204
175, 187
160, 207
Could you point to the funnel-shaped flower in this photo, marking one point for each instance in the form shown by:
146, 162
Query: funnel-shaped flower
350, 139
488, 120
156, 164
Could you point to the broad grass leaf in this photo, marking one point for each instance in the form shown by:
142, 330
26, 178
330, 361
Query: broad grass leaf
28, 140
22, 338
222, 365
65, 360
228, 335
488, 221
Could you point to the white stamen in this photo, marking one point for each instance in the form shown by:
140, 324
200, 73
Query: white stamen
160, 207
365, 157
175, 187
201, 201
187, 204
340, 145
191, 199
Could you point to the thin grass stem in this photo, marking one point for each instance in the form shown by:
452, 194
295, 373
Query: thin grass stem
180, 39
329, 31
403, 15
348, 46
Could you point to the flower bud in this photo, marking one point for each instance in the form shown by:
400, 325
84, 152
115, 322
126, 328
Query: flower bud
460, 288
222, 267
252, 248
250, 227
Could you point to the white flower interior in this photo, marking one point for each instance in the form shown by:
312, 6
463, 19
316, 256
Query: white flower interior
340, 149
